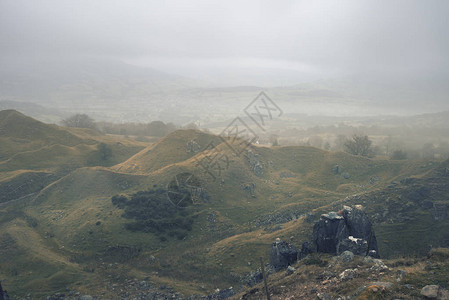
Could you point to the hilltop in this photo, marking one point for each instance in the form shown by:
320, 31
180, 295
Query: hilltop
168, 150
20, 133
34, 154
79, 237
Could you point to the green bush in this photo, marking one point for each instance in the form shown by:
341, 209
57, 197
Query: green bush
152, 212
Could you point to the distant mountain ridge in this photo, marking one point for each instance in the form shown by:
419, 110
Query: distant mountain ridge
116, 90
44, 79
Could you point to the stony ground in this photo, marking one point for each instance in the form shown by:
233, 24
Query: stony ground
326, 277
318, 276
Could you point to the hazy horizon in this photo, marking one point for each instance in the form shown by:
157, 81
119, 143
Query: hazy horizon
319, 57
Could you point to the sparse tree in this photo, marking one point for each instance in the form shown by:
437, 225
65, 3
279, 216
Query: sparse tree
359, 145
79, 121
105, 151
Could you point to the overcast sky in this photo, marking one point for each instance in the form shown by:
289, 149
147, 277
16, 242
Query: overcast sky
313, 37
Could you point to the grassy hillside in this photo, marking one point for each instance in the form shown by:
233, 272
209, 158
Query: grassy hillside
26, 143
168, 150
81, 238
14, 124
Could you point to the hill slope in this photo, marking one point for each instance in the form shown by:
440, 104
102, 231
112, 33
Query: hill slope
237, 205
32, 153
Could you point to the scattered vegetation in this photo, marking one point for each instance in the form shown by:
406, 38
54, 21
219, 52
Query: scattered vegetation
153, 212
359, 145
155, 128
80, 121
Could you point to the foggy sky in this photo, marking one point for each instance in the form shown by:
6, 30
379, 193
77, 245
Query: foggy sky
189, 37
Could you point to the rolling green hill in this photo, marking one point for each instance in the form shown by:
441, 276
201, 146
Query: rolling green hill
68, 228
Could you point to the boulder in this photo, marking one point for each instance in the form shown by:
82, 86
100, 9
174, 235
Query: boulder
359, 226
346, 256
282, 255
290, 270
348, 274
306, 249
377, 264
353, 245
430, 291
435, 292
328, 231
349, 229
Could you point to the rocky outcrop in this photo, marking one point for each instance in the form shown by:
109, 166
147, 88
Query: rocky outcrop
346, 257
352, 244
359, 227
434, 292
282, 255
328, 231
348, 230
